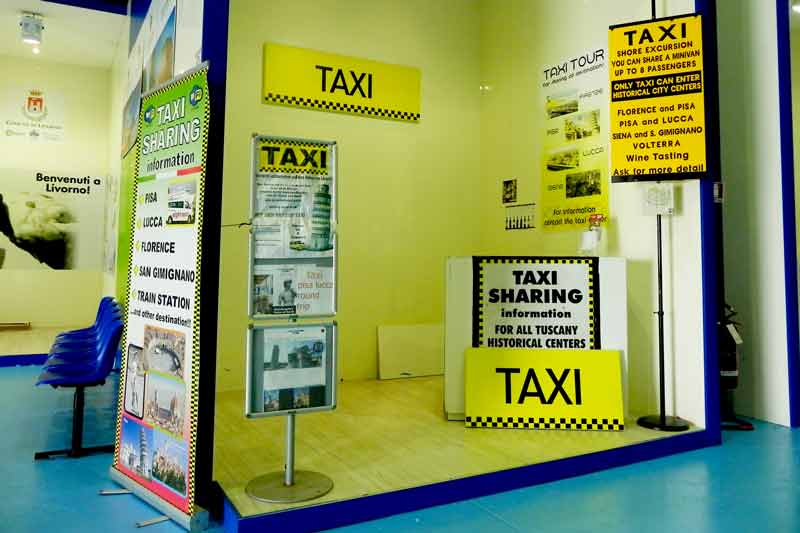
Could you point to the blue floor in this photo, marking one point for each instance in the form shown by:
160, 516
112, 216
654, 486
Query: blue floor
751, 483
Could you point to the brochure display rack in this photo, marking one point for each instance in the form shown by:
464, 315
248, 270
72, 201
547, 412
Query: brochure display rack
291, 368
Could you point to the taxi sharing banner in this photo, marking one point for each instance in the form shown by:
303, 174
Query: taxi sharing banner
157, 420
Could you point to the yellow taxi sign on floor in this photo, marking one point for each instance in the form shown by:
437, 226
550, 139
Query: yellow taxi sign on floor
299, 77
543, 389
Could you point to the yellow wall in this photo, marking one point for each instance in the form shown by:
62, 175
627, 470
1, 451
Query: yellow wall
411, 195
408, 194
518, 38
48, 297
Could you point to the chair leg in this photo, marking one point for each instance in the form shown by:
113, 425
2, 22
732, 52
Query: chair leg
76, 449
78, 403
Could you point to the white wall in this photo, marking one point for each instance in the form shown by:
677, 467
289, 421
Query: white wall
118, 95
43, 296
753, 225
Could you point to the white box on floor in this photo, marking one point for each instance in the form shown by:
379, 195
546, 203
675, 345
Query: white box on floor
613, 315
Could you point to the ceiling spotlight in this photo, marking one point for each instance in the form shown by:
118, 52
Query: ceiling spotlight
36, 50
796, 6
31, 28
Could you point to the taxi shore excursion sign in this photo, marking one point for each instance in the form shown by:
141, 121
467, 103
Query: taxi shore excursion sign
543, 389
311, 79
657, 100
536, 302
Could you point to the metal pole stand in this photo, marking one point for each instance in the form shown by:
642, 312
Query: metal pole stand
661, 421
289, 486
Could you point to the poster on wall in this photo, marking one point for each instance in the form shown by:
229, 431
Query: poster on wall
157, 420
575, 141
130, 119
111, 229
33, 114
520, 217
657, 100
294, 227
291, 368
160, 64
294, 204
51, 220
301, 289
536, 302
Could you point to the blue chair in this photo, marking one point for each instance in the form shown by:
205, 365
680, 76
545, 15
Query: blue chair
82, 348
91, 369
107, 307
82, 361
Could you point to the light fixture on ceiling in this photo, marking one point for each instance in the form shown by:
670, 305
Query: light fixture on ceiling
35, 50
31, 27
796, 6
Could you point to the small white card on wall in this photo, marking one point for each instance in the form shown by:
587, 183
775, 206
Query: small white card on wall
659, 199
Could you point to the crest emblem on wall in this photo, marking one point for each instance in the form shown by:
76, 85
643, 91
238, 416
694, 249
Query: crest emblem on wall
34, 108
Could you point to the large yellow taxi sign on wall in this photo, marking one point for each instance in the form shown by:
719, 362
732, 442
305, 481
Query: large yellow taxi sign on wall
657, 100
543, 389
311, 79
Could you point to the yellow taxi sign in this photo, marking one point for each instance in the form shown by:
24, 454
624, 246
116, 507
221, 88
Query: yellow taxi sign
657, 100
543, 389
292, 157
311, 79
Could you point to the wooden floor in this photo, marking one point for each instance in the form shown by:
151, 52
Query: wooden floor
385, 436
27, 341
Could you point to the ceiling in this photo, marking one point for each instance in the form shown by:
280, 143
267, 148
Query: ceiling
71, 35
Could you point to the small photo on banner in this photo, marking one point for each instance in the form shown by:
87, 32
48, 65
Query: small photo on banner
136, 447
134, 382
536, 302
170, 458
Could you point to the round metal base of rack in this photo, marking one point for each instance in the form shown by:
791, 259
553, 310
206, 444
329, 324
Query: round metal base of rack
270, 488
669, 423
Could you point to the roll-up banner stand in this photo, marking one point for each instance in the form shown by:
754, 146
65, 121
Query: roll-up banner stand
156, 441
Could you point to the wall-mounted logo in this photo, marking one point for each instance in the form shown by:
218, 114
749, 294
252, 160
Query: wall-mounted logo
196, 95
149, 114
34, 108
